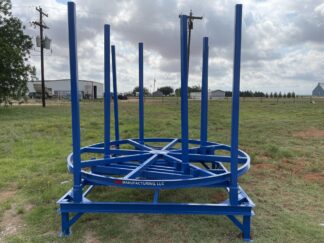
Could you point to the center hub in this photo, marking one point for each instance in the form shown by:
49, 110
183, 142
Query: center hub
159, 152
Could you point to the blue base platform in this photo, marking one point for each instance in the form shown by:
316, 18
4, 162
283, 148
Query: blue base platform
156, 165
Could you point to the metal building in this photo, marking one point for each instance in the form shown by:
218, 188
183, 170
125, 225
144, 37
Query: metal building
216, 94
60, 88
319, 90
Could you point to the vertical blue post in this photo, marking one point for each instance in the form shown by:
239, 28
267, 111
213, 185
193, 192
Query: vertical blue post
204, 95
235, 104
77, 189
65, 224
107, 90
141, 92
113, 60
184, 92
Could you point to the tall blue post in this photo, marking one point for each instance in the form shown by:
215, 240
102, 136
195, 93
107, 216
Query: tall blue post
77, 188
236, 105
141, 92
113, 63
184, 92
204, 94
107, 90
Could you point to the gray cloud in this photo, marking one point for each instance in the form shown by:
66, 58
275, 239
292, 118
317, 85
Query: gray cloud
282, 46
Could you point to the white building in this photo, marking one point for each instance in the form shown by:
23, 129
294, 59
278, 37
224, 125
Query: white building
61, 88
215, 94
195, 95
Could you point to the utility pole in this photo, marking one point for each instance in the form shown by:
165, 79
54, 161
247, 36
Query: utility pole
190, 25
154, 85
41, 27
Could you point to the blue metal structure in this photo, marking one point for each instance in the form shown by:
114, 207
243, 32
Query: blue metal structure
198, 163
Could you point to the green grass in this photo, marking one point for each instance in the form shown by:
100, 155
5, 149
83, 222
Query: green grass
285, 180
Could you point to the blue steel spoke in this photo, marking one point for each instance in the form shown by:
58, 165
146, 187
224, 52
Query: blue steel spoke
194, 149
126, 151
169, 145
144, 165
172, 159
209, 158
206, 172
138, 145
113, 151
105, 161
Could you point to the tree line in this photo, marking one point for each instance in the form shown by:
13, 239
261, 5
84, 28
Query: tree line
168, 90
262, 94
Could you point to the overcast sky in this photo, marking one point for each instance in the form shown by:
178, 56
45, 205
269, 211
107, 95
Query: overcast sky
282, 48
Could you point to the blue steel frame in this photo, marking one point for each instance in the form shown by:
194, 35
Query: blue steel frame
114, 72
156, 167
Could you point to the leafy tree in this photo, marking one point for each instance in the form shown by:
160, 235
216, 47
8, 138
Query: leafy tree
275, 95
177, 92
228, 93
14, 53
136, 89
271, 95
293, 95
166, 90
280, 95
289, 95
194, 88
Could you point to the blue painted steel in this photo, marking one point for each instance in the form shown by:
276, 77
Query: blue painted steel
77, 190
114, 74
184, 92
107, 89
124, 162
141, 92
236, 104
204, 94
246, 227
146, 163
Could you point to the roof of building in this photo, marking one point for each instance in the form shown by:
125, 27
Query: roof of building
65, 80
321, 85
218, 90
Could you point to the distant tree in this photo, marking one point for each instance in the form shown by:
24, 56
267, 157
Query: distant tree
293, 95
275, 95
266, 95
271, 95
177, 92
228, 93
14, 53
166, 90
288, 95
284, 95
280, 95
136, 89
195, 88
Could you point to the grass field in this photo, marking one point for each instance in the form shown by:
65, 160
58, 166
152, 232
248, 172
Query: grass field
286, 180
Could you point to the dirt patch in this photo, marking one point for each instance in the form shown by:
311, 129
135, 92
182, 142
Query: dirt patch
310, 133
314, 177
218, 197
295, 166
11, 223
265, 166
90, 237
6, 195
